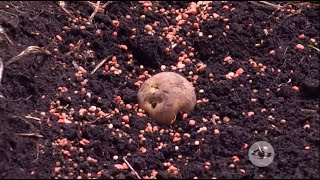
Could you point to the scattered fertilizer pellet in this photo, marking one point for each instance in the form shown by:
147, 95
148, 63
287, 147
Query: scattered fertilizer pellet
299, 47
226, 119
250, 114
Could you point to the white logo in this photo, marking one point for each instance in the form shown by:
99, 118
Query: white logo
261, 154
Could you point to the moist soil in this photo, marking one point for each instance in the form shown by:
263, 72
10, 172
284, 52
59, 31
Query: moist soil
275, 99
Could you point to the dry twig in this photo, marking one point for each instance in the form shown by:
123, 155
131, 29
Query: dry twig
37, 153
75, 65
135, 172
2, 31
275, 6
103, 6
100, 64
28, 50
266, 4
30, 135
9, 13
96, 9
107, 3
100, 8
62, 5
309, 110
314, 48
26, 121
16, 8
76, 47
1, 69
33, 18
35, 118
20, 99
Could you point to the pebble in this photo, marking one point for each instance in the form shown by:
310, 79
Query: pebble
163, 67
307, 126
231, 166
92, 108
253, 100
196, 143
148, 27
283, 121
181, 65
270, 118
186, 135
226, 119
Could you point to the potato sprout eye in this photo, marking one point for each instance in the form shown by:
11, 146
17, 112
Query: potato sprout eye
153, 104
155, 87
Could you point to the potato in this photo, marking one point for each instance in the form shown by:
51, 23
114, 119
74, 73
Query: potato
166, 94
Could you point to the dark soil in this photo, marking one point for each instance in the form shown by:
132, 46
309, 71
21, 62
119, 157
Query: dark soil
30, 86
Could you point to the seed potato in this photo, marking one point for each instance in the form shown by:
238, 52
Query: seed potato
166, 94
